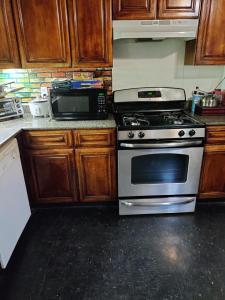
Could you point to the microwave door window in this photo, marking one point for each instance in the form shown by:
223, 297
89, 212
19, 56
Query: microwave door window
159, 168
72, 104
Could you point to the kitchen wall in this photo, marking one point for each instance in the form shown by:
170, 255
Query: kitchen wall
160, 63
32, 79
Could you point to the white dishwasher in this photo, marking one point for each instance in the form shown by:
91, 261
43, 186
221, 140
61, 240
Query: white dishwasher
14, 205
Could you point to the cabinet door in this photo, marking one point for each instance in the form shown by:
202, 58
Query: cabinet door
96, 173
9, 53
91, 33
210, 48
43, 33
134, 9
212, 184
51, 175
177, 9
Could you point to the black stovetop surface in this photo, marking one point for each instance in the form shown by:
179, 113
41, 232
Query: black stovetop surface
132, 120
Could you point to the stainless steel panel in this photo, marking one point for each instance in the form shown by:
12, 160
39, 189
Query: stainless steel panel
131, 95
161, 134
190, 187
157, 205
161, 145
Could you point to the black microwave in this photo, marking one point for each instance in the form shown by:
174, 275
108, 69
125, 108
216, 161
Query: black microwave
78, 104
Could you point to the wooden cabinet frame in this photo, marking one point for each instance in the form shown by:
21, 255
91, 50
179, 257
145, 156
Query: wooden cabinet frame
91, 40
155, 9
34, 55
9, 52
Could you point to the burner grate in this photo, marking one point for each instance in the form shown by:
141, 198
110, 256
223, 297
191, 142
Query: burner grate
135, 120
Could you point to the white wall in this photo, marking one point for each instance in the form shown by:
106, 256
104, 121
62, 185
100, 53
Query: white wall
139, 64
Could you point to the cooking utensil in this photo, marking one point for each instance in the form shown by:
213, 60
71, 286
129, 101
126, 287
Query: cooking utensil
209, 101
39, 107
4, 91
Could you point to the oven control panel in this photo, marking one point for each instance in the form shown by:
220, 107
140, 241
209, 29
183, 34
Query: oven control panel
161, 134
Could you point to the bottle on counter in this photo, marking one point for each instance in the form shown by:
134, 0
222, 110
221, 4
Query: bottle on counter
196, 97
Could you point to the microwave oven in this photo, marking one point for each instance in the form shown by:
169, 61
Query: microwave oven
78, 104
10, 108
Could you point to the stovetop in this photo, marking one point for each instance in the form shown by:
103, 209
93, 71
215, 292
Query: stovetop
135, 121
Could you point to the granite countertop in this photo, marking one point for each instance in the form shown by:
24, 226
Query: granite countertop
211, 120
10, 128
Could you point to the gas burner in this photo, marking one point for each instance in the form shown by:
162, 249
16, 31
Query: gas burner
174, 119
135, 120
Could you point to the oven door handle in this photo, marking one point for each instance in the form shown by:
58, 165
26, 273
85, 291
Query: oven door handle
143, 204
162, 145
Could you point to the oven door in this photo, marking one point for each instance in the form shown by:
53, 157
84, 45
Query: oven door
160, 171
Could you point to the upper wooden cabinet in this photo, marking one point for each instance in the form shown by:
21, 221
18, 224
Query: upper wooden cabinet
91, 32
134, 9
155, 9
9, 54
43, 33
210, 47
177, 9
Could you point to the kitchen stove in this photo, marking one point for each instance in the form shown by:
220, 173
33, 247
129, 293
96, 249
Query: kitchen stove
160, 149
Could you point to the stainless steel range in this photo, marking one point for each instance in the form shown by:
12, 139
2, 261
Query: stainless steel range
160, 150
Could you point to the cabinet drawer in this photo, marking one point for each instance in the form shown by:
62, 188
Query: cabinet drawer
215, 135
43, 139
94, 137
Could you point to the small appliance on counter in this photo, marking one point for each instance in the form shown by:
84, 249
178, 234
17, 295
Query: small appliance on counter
10, 108
69, 103
211, 104
39, 107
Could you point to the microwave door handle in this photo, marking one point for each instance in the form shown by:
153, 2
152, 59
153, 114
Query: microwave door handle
161, 145
143, 204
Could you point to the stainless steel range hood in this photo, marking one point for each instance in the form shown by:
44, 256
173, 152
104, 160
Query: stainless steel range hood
155, 29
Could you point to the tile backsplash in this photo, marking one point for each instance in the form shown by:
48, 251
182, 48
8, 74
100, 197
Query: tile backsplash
32, 80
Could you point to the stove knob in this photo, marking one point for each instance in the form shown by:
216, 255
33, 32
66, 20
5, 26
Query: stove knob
192, 132
181, 133
141, 134
130, 135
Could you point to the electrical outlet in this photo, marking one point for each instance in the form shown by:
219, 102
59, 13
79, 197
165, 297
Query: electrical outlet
44, 92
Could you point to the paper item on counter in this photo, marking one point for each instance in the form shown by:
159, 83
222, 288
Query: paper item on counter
87, 84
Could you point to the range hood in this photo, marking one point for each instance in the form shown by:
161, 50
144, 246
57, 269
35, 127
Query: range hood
155, 29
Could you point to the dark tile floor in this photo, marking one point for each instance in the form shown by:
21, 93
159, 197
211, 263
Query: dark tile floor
93, 253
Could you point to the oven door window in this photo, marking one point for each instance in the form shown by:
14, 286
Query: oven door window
71, 104
159, 168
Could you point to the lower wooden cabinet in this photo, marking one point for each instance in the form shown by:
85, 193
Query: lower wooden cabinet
51, 175
69, 166
212, 184
96, 174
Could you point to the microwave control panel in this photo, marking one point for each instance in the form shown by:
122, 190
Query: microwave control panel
101, 103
